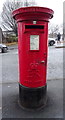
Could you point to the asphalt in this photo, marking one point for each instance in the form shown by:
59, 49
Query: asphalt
9, 106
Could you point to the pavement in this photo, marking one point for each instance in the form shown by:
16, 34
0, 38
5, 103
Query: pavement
60, 45
57, 45
9, 107
53, 109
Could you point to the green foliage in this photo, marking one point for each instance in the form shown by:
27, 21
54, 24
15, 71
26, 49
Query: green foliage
11, 39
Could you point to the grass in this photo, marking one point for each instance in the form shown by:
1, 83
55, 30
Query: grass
13, 43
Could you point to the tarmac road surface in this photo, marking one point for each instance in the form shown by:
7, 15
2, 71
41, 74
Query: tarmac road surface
10, 77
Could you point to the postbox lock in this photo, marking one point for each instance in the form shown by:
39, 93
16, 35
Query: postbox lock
42, 61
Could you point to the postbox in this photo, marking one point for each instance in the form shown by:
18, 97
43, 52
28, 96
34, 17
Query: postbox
32, 25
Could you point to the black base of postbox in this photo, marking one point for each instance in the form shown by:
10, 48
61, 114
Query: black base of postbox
32, 97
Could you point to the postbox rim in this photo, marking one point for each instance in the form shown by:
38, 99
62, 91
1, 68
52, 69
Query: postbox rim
33, 9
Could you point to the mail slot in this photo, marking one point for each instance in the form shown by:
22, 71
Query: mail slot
34, 26
32, 48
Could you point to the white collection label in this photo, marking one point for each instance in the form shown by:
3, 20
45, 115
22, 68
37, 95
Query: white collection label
34, 42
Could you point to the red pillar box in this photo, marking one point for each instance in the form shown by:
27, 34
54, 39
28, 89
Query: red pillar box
32, 46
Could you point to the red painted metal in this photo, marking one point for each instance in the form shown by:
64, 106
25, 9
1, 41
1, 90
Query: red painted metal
32, 63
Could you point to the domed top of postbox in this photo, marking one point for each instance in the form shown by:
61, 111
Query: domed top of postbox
33, 13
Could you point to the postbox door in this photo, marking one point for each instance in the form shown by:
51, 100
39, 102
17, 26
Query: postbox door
33, 56
36, 56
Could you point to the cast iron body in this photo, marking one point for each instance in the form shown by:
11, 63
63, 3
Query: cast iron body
33, 48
